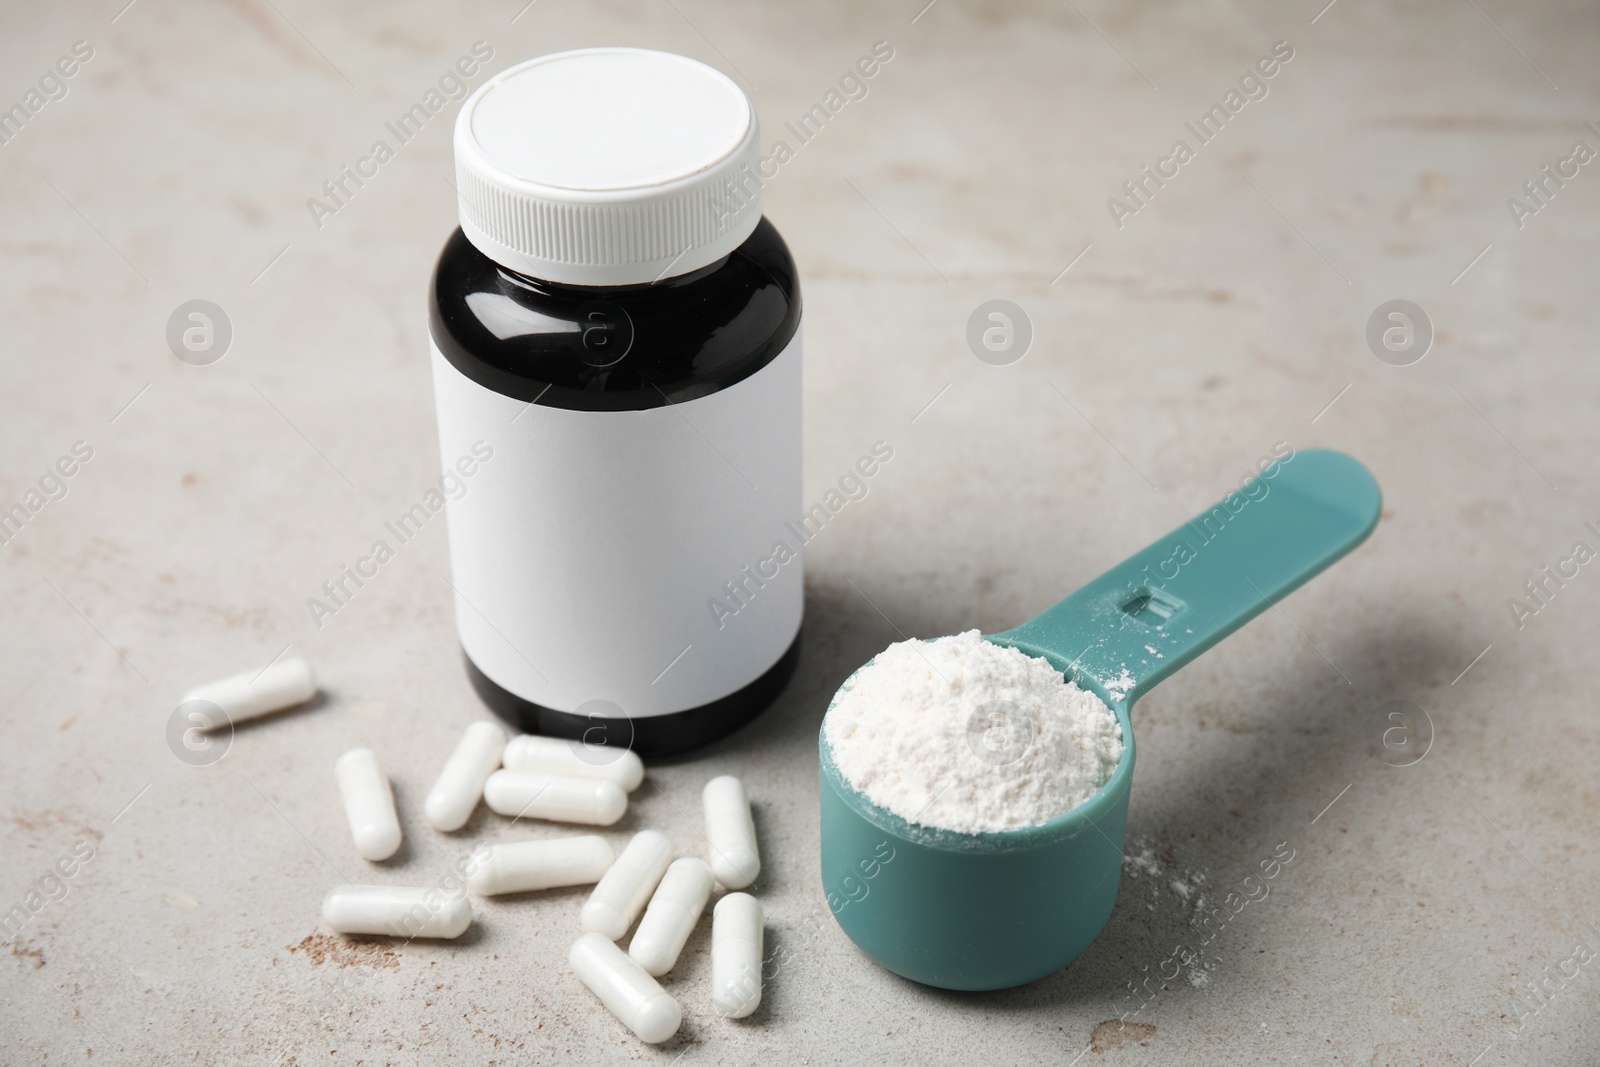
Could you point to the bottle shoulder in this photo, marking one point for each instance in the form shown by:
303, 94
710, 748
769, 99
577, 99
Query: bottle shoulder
621, 348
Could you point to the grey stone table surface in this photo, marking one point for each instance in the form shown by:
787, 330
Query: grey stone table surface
1435, 912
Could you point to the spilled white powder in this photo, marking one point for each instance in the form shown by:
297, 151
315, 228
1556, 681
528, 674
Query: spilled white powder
966, 735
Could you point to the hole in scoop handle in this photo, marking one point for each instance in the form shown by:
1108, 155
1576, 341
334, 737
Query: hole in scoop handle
1131, 627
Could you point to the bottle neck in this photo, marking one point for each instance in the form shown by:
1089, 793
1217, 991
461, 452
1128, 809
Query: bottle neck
545, 287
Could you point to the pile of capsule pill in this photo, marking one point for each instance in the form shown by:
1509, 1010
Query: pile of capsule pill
558, 781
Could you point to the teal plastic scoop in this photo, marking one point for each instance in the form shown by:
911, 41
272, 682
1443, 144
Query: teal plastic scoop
994, 910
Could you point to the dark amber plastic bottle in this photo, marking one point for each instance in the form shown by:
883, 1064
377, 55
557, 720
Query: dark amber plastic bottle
616, 353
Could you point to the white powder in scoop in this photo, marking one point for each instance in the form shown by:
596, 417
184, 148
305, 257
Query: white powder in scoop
966, 735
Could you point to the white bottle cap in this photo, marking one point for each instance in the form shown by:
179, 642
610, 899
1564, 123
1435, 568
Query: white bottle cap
608, 166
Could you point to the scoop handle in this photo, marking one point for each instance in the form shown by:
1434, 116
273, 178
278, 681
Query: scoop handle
1127, 630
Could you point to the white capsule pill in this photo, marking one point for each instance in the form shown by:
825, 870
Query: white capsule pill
736, 940
542, 796
731, 832
396, 911
574, 759
460, 785
368, 804
670, 918
528, 865
622, 986
251, 694
622, 892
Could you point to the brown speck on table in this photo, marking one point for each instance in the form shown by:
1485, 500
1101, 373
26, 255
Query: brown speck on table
346, 952
1114, 1032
